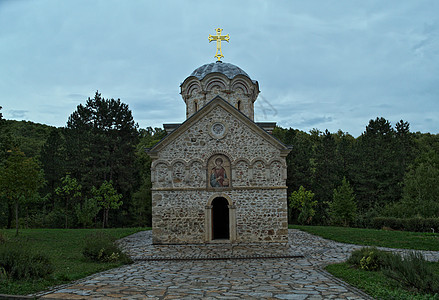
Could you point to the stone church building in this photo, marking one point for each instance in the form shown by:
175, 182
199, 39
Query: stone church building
219, 176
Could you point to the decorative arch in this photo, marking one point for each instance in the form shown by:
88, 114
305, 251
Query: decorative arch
211, 153
242, 172
219, 195
259, 172
178, 172
193, 87
213, 80
283, 163
161, 174
240, 85
159, 161
197, 175
277, 172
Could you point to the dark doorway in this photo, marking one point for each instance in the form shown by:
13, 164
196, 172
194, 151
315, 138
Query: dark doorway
220, 218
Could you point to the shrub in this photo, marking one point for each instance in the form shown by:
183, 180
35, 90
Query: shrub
369, 258
18, 262
413, 271
101, 247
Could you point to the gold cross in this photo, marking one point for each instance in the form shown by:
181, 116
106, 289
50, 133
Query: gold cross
218, 38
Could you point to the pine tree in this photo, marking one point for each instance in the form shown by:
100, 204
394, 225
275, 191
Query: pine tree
375, 177
327, 169
101, 138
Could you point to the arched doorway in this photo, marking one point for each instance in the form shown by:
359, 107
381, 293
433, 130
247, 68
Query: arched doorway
220, 219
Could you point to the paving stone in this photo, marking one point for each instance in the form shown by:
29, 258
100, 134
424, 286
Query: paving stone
242, 276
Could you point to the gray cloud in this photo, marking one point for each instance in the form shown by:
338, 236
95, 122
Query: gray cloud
17, 114
319, 63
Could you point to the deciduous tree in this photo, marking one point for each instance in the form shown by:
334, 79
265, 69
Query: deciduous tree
421, 187
20, 179
303, 201
108, 198
343, 207
87, 211
69, 193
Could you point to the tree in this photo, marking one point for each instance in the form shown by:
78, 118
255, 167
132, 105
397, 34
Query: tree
405, 153
302, 200
101, 138
53, 161
108, 198
87, 211
69, 192
343, 207
20, 179
327, 169
421, 188
140, 209
374, 177
298, 161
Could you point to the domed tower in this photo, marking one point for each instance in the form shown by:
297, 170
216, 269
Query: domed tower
220, 79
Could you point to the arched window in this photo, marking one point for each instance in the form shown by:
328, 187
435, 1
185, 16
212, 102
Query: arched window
195, 106
239, 105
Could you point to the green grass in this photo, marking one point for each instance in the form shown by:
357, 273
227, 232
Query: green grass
376, 284
374, 237
64, 248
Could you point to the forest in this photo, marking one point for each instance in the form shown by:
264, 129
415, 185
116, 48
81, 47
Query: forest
94, 172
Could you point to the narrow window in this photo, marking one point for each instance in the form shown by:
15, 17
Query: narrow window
239, 105
195, 106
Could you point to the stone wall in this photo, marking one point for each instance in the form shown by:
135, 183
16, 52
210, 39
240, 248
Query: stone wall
181, 216
182, 191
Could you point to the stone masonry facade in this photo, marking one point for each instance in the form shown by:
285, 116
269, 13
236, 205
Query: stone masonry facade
219, 138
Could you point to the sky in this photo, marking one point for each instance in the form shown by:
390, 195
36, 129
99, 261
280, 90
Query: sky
320, 64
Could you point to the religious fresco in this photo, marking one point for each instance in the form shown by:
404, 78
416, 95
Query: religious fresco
219, 171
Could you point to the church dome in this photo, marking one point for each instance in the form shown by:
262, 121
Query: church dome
227, 69
226, 80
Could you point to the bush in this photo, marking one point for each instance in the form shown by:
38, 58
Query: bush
369, 258
413, 271
17, 262
101, 247
54, 219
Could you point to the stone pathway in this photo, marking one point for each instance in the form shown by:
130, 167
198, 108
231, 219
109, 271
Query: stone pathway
221, 271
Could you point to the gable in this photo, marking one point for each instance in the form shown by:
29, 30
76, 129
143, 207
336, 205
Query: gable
242, 137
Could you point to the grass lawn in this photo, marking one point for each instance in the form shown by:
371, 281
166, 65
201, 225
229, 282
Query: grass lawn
64, 248
375, 237
376, 284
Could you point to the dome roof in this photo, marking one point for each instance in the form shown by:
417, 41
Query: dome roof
227, 69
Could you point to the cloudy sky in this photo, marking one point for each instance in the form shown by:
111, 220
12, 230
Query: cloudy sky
320, 64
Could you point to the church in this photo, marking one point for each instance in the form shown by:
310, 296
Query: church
219, 177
